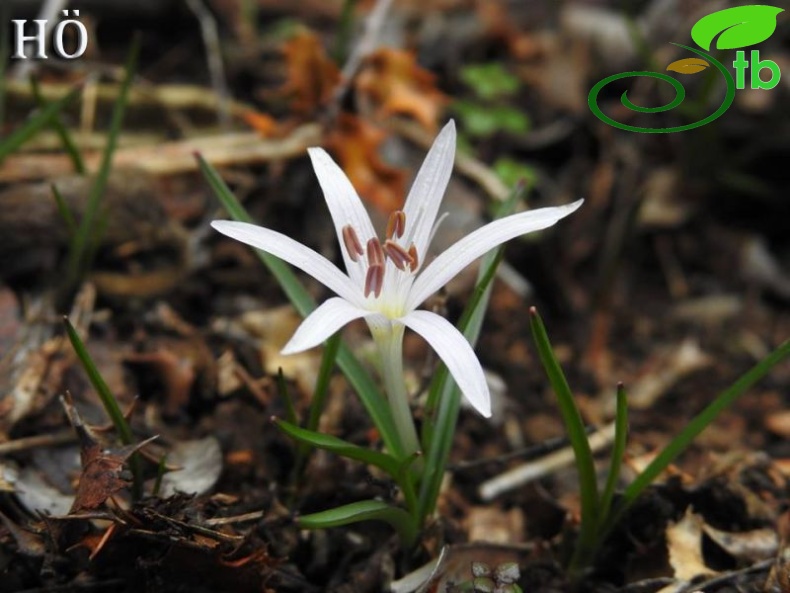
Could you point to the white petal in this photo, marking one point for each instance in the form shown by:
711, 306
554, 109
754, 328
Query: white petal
294, 253
462, 253
322, 323
344, 205
426, 193
455, 351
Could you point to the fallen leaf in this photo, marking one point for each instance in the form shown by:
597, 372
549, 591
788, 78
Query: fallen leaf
200, 462
684, 543
688, 66
103, 474
491, 524
184, 366
37, 496
311, 75
397, 85
356, 144
262, 123
273, 328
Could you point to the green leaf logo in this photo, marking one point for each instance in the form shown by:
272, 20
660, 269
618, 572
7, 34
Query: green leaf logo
740, 26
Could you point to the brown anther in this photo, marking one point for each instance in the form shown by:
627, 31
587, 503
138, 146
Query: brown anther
396, 224
351, 241
374, 280
399, 256
375, 253
414, 259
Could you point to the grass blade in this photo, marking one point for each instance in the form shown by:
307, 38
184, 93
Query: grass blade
86, 240
360, 379
41, 119
618, 450
64, 211
336, 445
444, 397
285, 394
588, 486
60, 129
109, 402
698, 424
438, 435
366, 510
328, 360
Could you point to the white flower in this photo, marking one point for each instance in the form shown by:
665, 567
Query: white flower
385, 281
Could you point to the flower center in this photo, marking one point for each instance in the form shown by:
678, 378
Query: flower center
375, 254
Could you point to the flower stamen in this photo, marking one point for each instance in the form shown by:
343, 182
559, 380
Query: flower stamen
414, 259
374, 280
375, 253
399, 256
351, 241
396, 224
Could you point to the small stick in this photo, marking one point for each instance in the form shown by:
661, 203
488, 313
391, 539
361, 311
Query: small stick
40, 440
216, 68
518, 476
216, 521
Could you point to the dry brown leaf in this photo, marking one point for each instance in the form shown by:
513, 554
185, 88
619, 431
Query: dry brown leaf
684, 543
397, 85
311, 74
262, 123
273, 328
356, 144
183, 366
102, 474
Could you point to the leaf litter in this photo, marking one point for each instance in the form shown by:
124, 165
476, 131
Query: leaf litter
693, 295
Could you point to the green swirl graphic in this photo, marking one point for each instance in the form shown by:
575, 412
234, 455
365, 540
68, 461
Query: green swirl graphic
680, 94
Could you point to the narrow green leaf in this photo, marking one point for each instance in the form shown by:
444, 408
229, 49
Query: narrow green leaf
57, 124
585, 467
86, 240
444, 397
360, 379
41, 119
328, 360
64, 211
698, 424
366, 510
109, 402
161, 470
344, 30
336, 445
618, 451
285, 393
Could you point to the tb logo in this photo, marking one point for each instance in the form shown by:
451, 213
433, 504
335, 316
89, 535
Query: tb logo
732, 28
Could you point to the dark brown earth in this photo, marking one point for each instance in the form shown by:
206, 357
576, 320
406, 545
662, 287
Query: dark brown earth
673, 278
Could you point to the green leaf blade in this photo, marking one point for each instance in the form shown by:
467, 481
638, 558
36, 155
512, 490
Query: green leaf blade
336, 445
366, 510
585, 465
701, 422
34, 124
